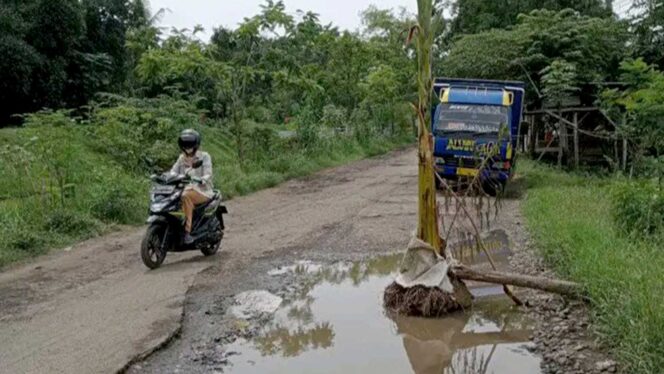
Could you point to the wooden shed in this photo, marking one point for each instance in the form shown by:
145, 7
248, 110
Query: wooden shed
573, 135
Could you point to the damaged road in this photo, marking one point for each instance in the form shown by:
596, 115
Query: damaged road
95, 308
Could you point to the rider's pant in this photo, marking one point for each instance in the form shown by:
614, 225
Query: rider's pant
191, 198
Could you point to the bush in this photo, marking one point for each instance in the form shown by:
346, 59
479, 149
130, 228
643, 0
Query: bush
334, 117
17, 174
52, 150
130, 136
49, 118
405, 119
360, 120
26, 240
261, 140
118, 204
161, 156
307, 128
638, 207
140, 134
70, 222
260, 114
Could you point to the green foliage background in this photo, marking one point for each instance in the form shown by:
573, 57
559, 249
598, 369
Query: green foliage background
279, 96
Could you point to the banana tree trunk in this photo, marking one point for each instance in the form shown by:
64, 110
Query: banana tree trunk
427, 228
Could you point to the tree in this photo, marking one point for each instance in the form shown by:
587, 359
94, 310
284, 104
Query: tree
54, 32
648, 26
142, 35
559, 82
474, 16
183, 65
18, 61
640, 104
490, 55
107, 23
595, 46
60, 53
380, 93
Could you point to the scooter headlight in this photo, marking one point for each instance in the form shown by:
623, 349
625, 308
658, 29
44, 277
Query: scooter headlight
160, 205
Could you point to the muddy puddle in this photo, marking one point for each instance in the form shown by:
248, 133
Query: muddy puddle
335, 323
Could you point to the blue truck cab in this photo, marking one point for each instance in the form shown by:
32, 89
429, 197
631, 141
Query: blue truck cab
476, 120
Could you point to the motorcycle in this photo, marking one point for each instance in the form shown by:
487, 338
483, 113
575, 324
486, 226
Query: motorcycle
166, 220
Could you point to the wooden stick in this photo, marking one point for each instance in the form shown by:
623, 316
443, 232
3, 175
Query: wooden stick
527, 281
562, 134
479, 240
624, 154
547, 146
576, 140
564, 110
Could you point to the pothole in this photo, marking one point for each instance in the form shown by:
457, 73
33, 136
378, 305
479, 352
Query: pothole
333, 322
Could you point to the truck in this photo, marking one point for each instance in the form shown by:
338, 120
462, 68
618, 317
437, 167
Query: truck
475, 127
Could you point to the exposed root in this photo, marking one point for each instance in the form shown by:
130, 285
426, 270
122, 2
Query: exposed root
419, 301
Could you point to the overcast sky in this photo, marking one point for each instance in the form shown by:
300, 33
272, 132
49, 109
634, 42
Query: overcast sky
212, 13
342, 13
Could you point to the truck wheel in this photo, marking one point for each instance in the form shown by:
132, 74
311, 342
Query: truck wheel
151, 252
493, 187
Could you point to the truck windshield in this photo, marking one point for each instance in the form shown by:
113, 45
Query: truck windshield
471, 118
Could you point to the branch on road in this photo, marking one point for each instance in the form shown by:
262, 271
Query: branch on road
562, 287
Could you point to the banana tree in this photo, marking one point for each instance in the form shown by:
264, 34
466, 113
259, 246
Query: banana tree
427, 226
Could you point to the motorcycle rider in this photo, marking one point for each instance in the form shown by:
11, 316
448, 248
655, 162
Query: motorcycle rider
200, 191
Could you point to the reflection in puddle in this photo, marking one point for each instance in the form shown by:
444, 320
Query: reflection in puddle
336, 324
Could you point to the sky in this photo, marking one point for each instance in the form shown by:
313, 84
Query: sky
342, 13
212, 13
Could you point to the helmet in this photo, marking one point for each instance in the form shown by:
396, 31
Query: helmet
189, 139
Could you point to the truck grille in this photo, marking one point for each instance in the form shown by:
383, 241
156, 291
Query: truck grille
454, 161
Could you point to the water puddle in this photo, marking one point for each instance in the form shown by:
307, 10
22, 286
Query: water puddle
336, 324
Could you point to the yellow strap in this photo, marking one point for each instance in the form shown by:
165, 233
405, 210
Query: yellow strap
445, 96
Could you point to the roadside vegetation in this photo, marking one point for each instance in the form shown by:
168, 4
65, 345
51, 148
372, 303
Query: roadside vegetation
64, 179
606, 232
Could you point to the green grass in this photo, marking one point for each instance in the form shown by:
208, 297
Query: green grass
570, 218
105, 177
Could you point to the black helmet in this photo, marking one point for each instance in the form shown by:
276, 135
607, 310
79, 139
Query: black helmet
189, 139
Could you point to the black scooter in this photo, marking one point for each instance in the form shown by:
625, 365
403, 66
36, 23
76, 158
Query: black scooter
166, 231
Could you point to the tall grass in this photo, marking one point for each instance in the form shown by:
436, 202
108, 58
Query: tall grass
570, 219
65, 179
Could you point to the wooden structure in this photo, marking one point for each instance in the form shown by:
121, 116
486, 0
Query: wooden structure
572, 135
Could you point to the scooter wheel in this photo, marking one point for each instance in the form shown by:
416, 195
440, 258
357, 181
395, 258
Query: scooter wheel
214, 248
151, 252
211, 250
